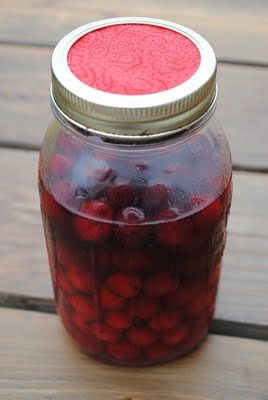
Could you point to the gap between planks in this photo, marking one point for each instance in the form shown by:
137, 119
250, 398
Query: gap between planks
219, 326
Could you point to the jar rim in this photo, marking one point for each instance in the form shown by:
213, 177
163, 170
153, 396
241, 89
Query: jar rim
133, 115
71, 124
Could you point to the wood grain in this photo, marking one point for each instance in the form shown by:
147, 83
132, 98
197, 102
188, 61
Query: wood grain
24, 104
243, 295
39, 361
238, 30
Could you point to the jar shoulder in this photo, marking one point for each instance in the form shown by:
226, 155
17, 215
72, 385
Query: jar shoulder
185, 173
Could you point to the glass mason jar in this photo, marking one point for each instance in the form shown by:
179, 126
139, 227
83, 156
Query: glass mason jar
135, 184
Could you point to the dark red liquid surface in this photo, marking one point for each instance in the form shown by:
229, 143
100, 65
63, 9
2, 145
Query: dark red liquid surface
135, 263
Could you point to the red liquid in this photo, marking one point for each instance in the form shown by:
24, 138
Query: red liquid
135, 280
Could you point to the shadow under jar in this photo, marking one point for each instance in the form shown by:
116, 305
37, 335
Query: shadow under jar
135, 187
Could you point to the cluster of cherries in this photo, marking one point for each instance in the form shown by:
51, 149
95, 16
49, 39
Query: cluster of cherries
135, 253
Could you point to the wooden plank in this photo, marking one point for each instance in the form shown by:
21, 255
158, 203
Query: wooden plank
24, 101
24, 94
24, 266
39, 361
242, 111
24, 272
238, 30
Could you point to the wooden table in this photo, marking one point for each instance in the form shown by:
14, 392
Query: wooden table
37, 359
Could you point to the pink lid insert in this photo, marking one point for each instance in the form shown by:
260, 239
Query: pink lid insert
133, 59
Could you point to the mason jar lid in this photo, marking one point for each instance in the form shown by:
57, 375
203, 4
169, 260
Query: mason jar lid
133, 77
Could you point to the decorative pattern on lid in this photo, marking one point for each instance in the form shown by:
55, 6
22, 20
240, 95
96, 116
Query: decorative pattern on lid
133, 59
